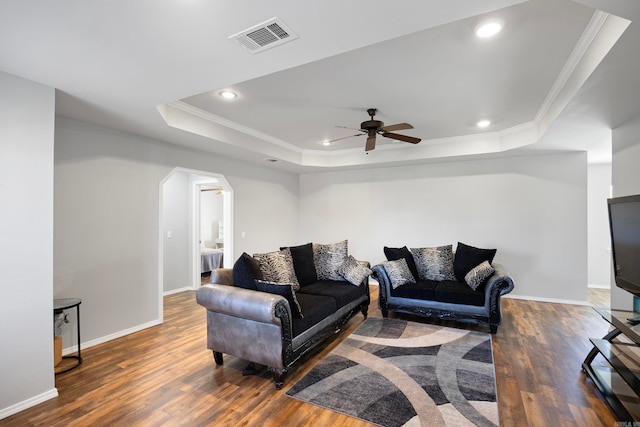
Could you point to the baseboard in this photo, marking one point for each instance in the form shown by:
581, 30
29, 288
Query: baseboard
175, 291
551, 300
25, 404
110, 337
598, 286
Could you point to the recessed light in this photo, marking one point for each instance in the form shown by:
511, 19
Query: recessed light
489, 28
326, 143
483, 123
228, 94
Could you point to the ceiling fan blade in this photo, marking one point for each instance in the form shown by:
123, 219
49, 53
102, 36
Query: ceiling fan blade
399, 137
344, 137
399, 126
371, 143
345, 127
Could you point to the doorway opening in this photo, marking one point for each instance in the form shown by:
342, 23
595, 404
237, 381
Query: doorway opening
195, 228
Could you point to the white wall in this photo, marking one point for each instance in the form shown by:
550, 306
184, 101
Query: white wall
626, 182
599, 241
532, 209
26, 247
107, 212
176, 207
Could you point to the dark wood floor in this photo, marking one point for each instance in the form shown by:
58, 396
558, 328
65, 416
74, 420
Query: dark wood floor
165, 376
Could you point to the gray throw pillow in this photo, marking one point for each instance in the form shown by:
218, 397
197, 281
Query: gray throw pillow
434, 263
478, 274
328, 259
398, 272
353, 272
278, 267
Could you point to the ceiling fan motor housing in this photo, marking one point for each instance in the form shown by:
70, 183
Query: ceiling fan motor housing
371, 125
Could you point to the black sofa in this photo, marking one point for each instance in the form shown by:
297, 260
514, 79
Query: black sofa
252, 316
464, 286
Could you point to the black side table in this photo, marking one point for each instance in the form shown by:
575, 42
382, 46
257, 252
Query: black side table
59, 305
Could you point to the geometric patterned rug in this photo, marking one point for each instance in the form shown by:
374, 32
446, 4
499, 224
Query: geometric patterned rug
392, 373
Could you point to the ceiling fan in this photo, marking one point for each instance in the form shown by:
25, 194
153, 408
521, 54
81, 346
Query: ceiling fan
373, 127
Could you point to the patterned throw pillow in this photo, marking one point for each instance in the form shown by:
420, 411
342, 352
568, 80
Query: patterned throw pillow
479, 274
394, 254
434, 263
329, 258
286, 290
398, 272
278, 267
354, 272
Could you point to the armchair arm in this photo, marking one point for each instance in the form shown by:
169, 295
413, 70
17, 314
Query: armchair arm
239, 302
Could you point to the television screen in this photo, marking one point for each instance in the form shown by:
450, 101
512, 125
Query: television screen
624, 224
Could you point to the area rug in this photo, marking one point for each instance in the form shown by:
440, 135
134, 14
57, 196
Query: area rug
391, 373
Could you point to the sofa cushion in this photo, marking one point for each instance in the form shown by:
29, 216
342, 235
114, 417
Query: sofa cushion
458, 293
421, 289
342, 292
284, 289
303, 264
315, 308
353, 272
328, 258
394, 254
277, 267
467, 257
479, 274
398, 272
434, 263
245, 271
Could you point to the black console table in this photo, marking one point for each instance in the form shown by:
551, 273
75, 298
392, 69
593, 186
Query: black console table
59, 305
619, 382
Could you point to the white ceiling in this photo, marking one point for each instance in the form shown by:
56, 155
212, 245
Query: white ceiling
559, 76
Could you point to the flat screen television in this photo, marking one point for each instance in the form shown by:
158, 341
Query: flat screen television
624, 224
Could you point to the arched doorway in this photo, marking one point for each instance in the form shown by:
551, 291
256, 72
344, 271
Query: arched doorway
180, 241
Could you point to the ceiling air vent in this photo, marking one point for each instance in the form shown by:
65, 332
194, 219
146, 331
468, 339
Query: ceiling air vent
264, 36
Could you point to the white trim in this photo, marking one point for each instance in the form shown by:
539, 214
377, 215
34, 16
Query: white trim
586, 40
119, 334
205, 115
550, 300
598, 286
175, 291
26, 404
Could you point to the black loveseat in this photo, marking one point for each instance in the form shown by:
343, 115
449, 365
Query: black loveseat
435, 282
271, 309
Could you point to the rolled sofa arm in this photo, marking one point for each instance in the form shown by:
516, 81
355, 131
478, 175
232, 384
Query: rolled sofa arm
239, 302
380, 275
222, 276
499, 279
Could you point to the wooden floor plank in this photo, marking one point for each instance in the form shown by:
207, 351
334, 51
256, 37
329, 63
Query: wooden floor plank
165, 376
